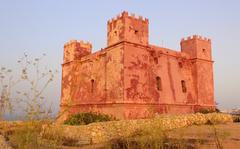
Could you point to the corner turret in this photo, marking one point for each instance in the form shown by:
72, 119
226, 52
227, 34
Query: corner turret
197, 47
200, 52
74, 50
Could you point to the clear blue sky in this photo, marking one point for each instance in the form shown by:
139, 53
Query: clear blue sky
44, 26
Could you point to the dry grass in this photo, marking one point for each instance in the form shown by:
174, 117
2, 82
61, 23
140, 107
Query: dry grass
26, 135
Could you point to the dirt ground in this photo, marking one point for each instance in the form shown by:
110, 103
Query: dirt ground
227, 134
206, 136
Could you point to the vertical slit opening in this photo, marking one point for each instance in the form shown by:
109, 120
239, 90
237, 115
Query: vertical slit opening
92, 85
159, 83
184, 88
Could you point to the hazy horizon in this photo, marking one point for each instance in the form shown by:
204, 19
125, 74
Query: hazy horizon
44, 26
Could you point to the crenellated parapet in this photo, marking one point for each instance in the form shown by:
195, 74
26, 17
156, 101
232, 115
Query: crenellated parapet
78, 43
195, 37
132, 15
124, 14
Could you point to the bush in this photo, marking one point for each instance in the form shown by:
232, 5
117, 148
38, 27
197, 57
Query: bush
236, 119
207, 110
87, 118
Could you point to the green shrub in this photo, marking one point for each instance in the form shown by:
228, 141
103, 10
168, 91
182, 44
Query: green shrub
87, 118
207, 110
236, 118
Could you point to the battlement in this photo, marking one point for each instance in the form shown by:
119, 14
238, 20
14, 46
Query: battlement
198, 37
80, 43
125, 14
195, 37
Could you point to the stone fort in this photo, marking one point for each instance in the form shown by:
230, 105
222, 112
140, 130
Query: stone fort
132, 78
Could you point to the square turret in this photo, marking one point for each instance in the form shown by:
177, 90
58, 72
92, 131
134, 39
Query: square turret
197, 47
74, 50
127, 28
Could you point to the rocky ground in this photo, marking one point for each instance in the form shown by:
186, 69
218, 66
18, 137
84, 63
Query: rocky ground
227, 134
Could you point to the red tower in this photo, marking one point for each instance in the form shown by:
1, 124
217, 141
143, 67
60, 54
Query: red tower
200, 52
131, 78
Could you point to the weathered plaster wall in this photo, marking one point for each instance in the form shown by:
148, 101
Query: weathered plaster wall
93, 80
142, 65
205, 83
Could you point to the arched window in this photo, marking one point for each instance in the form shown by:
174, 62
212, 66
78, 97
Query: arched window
184, 88
159, 83
92, 85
